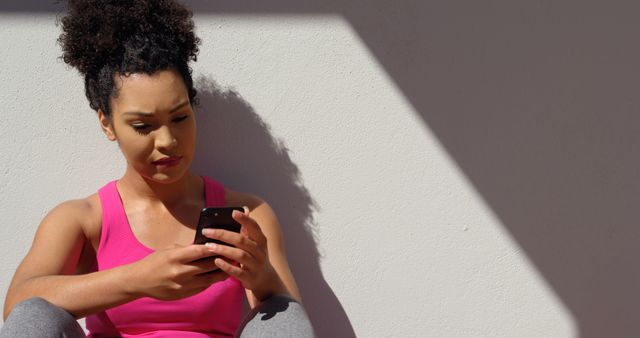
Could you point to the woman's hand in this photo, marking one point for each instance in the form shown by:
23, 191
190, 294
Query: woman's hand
174, 273
248, 260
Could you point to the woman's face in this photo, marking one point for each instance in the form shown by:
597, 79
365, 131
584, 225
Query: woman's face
152, 119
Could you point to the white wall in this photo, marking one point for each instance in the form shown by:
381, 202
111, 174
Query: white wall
433, 165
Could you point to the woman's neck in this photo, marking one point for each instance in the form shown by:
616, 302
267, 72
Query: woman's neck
155, 194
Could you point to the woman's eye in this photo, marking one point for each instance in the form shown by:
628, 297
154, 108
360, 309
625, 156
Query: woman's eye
181, 118
140, 128
144, 128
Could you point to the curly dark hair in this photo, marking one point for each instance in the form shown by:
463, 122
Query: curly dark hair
104, 38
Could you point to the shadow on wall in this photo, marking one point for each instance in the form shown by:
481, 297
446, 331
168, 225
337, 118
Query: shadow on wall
537, 102
235, 146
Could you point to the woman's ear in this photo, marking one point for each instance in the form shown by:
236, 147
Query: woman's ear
106, 125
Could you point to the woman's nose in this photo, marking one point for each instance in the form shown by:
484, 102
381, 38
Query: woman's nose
165, 139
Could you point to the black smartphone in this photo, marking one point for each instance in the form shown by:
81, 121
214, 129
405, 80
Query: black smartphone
218, 218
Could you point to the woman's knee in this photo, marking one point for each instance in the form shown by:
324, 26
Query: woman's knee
32, 306
38, 317
278, 316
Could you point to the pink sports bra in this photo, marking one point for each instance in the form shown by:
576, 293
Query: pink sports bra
214, 312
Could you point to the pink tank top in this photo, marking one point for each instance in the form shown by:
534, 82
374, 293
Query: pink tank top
214, 312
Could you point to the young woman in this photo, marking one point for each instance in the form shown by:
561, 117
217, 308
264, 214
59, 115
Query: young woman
123, 257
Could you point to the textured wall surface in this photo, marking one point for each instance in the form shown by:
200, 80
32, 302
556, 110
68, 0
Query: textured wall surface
440, 169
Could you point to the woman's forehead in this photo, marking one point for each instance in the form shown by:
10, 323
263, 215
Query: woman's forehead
149, 93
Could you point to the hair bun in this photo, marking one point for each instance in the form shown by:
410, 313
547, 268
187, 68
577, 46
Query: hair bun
100, 32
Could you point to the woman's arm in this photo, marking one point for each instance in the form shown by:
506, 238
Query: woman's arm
47, 270
268, 222
259, 249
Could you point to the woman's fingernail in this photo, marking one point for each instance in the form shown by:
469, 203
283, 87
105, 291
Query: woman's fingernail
236, 213
208, 232
212, 246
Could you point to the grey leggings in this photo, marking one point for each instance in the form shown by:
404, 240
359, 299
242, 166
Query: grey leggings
278, 316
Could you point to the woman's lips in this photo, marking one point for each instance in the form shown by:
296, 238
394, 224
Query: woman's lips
168, 161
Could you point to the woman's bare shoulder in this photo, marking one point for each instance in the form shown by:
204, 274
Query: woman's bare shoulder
236, 198
93, 216
87, 212
260, 211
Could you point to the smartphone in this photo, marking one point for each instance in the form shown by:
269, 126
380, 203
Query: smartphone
218, 218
